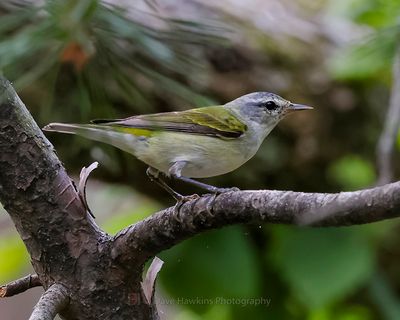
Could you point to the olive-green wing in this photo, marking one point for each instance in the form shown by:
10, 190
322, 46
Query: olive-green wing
214, 121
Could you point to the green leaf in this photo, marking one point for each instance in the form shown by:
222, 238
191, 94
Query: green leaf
371, 57
13, 259
352, 172
187, 314
347, 312
218, 312
221, 263
374, 13
354, 64
322, 265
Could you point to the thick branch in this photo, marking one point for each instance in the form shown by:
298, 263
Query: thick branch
50, 303
165, 229
389, 133
38, 194
20, 285
64, 243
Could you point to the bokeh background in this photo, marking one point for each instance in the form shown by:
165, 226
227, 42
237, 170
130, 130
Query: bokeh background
73, 61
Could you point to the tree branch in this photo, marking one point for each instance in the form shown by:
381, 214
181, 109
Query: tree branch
64, 243
50, 303
389, 133
165, 229
20, 285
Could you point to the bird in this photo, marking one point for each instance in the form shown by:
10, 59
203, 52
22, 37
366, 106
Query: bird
196, 143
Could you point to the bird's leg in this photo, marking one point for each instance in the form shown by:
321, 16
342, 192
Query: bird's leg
206, 186
154, 175
175, 172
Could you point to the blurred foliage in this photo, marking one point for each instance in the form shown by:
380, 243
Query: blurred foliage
384, 296
398, 141
223, 269
80, 60
352, 172
126, 205
77, 60
308, 265
98, 39
13, 257
372, 56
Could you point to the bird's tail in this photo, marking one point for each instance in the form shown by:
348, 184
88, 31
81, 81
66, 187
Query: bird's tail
89, 131
106, 134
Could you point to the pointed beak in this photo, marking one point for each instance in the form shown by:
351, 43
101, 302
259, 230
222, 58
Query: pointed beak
299, 107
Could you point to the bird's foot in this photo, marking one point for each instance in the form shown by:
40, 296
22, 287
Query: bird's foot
181, 200
210, 203
154, 176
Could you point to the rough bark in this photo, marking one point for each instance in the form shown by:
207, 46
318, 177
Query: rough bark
19, 286
165, 229
65, 245
100, 275
52, 301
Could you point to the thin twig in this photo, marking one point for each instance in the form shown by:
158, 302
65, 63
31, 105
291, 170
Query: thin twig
50, 303
20, 285
165, 228
389, 133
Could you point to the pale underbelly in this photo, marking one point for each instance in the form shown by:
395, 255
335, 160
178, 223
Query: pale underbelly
204, 156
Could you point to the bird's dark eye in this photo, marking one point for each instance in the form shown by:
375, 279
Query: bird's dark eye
270, 105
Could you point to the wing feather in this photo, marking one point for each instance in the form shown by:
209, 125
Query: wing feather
212, 121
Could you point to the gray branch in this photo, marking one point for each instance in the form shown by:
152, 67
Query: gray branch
388, 136
50, 303
167, 228
20, 285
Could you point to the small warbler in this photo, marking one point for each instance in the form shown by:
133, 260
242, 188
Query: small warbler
197, 143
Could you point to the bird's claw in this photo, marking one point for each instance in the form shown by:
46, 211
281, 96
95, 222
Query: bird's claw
191, 197
180, 202
210, 204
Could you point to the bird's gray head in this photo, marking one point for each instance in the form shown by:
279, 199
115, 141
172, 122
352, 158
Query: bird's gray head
264, 107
